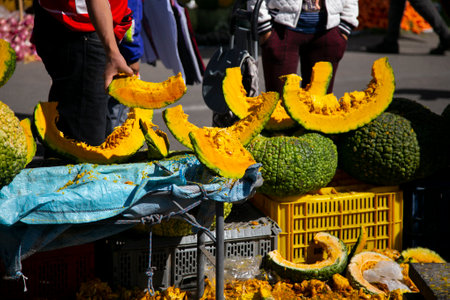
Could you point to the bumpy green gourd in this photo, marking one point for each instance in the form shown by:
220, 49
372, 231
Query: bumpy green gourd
432, 134
385, 151
404, 143
13, 145
294, 165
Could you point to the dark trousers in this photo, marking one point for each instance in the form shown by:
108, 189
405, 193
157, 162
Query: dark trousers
284, 49
75, 62
425, 8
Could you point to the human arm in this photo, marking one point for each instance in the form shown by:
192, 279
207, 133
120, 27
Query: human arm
101, 18
349, 17
264, 20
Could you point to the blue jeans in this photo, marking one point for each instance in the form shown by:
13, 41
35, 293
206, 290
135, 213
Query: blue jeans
75, 62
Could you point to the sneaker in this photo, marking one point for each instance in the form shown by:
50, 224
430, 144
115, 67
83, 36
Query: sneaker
441, 48
384, 47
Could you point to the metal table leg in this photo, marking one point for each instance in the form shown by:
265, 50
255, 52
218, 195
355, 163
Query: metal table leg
201, 262
219, 252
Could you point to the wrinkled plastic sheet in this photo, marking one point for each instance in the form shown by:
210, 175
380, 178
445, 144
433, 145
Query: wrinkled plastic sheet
53, 207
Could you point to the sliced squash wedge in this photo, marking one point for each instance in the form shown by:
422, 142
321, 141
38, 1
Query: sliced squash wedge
245, 129
134, 92
31, 143
239, 103
120, 145
221, 151
157, 141
317, 266
327, 114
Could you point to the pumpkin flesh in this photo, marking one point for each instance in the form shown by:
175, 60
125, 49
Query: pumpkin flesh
123, 142
134, 92
245, 129
177, 123
251, 125
240, 104
334, 261
31, 143
221, 151
360, 263
329, 115
156, 139
7, 61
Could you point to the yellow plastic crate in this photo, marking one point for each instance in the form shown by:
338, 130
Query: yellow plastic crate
340, 211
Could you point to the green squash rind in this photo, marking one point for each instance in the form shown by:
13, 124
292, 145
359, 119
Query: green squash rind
250, 126
320, 80
354, 273
303, 271
233, 165
31, 143
13, 145
152, 139
134, 92
8, 60
431, 130
371, 102
80, 152
179, 125
294, 165
384, 152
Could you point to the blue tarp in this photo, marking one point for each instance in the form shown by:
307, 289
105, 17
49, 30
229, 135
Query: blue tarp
54, 207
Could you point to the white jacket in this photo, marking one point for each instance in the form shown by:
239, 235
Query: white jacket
342, 13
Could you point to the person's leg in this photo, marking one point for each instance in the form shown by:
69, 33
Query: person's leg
279, 57
94, 101
389, 44
429, 12
395, 15
329, 46
75, 63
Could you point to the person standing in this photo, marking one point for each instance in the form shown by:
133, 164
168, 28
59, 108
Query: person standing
305, 31
428, 11
78, 41
132, 48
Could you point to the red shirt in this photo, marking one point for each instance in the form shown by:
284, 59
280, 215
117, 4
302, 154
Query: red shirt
74, 14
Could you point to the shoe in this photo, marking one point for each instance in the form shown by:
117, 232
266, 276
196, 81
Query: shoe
441, 48
384, 47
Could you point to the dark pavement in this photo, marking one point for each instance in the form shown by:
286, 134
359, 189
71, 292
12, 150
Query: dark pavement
419, 76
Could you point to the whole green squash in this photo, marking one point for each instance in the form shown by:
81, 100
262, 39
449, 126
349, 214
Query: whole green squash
13, 145
432, 135
404, 143
294, 165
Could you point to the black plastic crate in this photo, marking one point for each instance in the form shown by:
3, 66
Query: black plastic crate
175, 259
426, 221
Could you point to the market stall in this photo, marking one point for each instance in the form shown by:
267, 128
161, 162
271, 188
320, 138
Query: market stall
54, 207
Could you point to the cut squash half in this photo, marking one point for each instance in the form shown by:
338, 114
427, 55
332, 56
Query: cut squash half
240, 104
134, 92
221, 152
327, 114
120, 145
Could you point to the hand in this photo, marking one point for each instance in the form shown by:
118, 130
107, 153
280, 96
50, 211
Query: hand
264, 37
101, 17
135, 67
115, 64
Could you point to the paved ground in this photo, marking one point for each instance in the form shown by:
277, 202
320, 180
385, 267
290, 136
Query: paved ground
419, 76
